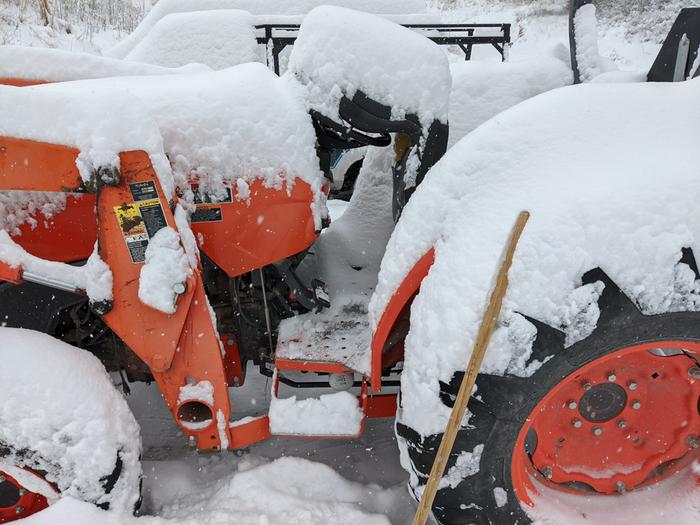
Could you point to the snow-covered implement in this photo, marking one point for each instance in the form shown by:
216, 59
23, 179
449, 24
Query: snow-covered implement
170, 226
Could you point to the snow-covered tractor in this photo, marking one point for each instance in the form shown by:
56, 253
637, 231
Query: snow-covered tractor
173, 228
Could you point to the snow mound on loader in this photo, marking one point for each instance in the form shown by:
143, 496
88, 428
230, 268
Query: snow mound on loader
217, 38
609, 175
60, 413
277, 7
341, 51
58, 65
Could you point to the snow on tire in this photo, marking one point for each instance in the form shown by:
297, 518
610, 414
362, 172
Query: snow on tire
585, 424
64, 428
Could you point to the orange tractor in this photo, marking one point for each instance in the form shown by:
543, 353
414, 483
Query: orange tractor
236, 271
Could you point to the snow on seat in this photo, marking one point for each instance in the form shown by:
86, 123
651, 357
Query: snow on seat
58, 65
609, 175
228, 127
341, 51
216, 38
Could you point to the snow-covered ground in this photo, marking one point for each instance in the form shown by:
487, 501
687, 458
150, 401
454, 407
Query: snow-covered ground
284, 481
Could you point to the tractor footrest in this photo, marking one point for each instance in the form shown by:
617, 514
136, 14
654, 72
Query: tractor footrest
342, 337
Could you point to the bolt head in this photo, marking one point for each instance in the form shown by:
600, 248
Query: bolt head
621, 423
22, 492
694, 372
597, 431
586, 386
572, 404
620, 487
612, 378
19, 510
547, 471
2, 479
693, 441
179, 288
636, 405
632, 385
577, 423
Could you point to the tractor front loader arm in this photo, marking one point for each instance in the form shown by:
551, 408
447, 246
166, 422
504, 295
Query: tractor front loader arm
182, 349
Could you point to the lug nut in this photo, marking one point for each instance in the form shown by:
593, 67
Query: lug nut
612, 377
586, 386
694, 372
632, 385
621, 423
620, 487
636, 405
577, 423
693, 441
19, 510
547, 472
179, 288
2, 479
572, 405
597, 431
22, 492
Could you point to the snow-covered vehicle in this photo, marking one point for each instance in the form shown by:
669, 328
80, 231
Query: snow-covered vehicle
180, 239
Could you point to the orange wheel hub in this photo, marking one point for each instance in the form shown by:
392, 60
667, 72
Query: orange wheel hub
16, 501
623, 421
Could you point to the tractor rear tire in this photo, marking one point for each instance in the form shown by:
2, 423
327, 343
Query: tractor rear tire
604, 387
64, 429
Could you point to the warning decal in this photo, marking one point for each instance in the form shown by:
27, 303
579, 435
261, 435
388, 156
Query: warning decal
208, 209
139, 221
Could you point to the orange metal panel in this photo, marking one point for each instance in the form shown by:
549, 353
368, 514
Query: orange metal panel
381, 406
68, 236
10, 274
272, 225
251, 432
37, 166
20, 82
403, 294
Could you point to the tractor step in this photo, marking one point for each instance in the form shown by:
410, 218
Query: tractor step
337, 335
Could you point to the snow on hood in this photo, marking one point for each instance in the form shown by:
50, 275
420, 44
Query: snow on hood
340, 51
100, 124
279, 7
239, 123
216, 38
609, 175
58, 65
59, 402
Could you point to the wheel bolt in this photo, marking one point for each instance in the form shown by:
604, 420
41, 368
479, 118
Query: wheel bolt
586, 386
572, 405
22, 492
636, 405
19, 510
620, 487
694, 372
597, 431
621, 423
2, 479
632, 385
693, 441
612, 377
547, 472
577, 423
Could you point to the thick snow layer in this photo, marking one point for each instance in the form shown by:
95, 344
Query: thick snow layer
165, 272
94, 278
101, 124
58, 65
389, 63
240, 123
336, 414
283, 492
58, 402
596, 165
586, 32
216, 38
481, 90
267, 7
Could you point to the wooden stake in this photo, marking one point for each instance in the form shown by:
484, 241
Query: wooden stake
488, 324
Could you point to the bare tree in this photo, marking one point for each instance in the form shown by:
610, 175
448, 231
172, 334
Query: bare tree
45, 12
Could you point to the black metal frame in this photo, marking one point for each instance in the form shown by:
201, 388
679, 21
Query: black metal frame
276, 37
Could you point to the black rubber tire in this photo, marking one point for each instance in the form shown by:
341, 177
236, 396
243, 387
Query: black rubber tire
506, 401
